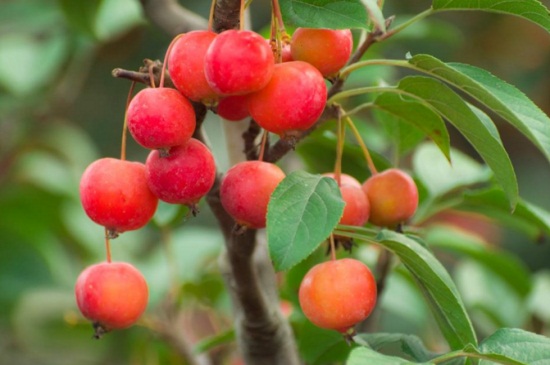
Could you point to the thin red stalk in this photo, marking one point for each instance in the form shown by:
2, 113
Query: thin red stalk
125, 125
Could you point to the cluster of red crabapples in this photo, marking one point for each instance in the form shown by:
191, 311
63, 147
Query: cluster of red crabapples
238, 74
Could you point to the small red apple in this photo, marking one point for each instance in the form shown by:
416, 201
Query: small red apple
113, 295
393, 197
246, 189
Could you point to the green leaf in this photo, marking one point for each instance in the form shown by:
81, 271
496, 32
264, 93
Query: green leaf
527, 217
332, 14
404, 136
436, 285
302, 212
523, 346
318, 152
502, 98
82, 15
531, 10
321, 346
410, 345
458, 113
417, 114
375, 14
364, 355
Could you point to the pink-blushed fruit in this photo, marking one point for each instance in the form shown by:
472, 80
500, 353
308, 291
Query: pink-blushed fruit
246, 189
113, 295
338, 294
326, 49
345, 179
115, 194
292, 101
357, 209
233, 108
184, 176
393, 197
238, 62
186, 65
160, 118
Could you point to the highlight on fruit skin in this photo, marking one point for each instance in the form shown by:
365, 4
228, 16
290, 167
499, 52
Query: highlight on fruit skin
113, 295
338, 294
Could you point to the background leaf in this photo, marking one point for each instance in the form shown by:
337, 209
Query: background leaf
410, 345
418, 115
518, 344
333, 14
364, 355
532, 10
458, 113
302, 212
502, 98
527, 217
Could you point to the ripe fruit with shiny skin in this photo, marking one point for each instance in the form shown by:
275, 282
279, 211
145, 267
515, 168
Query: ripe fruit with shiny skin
186, 65
292, 101
113, 295
115, 194
246, 189
357, 209
338, 294
184, 176
326, 49
160, 118
393, 197
238, 62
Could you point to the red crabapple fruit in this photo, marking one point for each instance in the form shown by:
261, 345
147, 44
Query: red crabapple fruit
160, 118
238, 62
186, 65
184, 176
246, 189
115, 194
338, 294
326, 49
292, 101
393, 197
357, 208
113, 295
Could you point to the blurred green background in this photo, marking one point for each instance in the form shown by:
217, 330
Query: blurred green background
60, 109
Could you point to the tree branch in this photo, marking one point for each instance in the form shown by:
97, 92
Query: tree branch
171, 17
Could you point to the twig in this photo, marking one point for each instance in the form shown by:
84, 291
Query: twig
171, 17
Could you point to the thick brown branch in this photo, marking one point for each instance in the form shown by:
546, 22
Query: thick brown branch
226, 15
171, 17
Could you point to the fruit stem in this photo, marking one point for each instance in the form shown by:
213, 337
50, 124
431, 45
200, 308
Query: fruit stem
278, 16
341, 134
107, 245
211, 15
170, 46
332, 248
151, 76
262, 146
125, 124
364, 148
241, 16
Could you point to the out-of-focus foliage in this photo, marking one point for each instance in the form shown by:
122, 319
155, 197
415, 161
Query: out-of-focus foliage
60, 109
